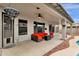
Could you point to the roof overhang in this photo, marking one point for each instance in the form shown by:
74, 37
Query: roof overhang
58, 7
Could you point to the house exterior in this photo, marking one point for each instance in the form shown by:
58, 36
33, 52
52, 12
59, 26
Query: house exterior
75, 28
22, 27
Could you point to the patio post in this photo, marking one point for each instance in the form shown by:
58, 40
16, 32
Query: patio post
60, 26
64, 29
55, 29
60, 29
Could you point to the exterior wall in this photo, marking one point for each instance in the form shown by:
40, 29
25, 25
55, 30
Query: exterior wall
30, 29
68, 31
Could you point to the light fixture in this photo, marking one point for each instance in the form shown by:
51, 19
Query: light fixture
39, 15
37, 8
11, 12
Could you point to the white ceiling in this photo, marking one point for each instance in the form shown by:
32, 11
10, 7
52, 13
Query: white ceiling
29, 10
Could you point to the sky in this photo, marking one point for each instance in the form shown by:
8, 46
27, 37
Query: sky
73, 10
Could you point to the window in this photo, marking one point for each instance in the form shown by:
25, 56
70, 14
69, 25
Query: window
22, 27
51, 28
39, 27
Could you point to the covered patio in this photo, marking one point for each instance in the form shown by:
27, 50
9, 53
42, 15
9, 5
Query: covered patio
21, 43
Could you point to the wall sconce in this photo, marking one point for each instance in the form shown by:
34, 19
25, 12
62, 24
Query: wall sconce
11, 12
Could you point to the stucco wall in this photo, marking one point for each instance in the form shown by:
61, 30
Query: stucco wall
30, 28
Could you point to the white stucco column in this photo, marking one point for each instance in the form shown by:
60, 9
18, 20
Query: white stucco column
0, 28
60, 26
64, 29
54, 28
60, 29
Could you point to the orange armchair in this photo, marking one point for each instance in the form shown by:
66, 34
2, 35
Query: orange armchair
51, 34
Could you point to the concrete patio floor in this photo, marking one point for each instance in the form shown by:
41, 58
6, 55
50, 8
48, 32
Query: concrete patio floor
31, 48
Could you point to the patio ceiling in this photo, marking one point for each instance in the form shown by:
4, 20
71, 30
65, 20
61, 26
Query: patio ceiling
30, 11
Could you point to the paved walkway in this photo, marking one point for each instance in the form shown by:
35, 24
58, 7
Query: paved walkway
73, 50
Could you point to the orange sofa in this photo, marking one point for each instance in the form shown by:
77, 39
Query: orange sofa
38, 36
